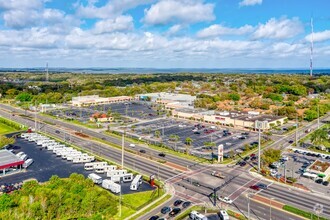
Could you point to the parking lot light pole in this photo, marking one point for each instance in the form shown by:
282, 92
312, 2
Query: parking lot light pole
248, 197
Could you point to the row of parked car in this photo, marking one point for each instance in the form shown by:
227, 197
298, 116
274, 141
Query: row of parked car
312, 154
8, 188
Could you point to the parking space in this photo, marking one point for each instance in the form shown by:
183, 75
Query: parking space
47, 164
174, 133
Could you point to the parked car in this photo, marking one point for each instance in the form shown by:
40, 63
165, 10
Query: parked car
186, 204
174, 212
165, 210
319, 181
178, 202
155, 217
243, 163
325, 183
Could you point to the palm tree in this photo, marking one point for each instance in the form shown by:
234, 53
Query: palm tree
157, 133
175, 138
188, 142
319, 136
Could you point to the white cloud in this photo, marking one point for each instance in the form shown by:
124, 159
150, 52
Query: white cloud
173, 30
250, 2
174, 11
217, 30
319, 36
279, 29
111, 9
121, 23
20, 4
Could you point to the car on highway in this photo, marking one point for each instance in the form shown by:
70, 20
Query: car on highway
262, 186
177, 202
225, 200
186, 204
195, 183
162, 154
290, 141
155, 217
255, 187
165, 210
57, 131
174, 212
143, 151
132, 145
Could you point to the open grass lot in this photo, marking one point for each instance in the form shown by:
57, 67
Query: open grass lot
4, 129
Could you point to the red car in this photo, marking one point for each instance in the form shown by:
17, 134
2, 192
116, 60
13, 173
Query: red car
255, 187
252, 155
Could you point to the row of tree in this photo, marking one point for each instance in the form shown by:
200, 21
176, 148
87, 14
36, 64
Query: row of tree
72, 198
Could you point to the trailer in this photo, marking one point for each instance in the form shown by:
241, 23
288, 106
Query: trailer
27, 163
127, 177
105, 169
110, 185
137, 181
116, 172
95, 178
83, 159
94, 165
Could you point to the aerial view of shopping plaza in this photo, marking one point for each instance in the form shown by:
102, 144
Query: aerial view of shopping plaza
164, 109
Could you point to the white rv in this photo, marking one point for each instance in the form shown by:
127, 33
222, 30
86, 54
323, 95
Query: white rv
137, 181
27, 163
116, 172
95, 178
194, 215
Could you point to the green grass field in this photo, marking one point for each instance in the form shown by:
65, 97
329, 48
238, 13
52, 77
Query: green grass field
4, 129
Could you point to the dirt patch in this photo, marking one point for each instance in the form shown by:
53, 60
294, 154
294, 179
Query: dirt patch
268, 202
81, 135
176, 166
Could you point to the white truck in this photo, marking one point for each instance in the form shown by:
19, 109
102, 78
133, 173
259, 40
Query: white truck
217, 174
95, 178
194, 215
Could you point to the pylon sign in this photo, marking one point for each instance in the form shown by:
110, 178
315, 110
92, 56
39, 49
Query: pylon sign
220, 153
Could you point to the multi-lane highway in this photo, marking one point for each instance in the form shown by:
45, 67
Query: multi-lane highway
236, 189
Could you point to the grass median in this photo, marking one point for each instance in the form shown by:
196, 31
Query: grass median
302, 213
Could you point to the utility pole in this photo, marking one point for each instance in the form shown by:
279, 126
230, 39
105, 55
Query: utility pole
259, 123
122, 150
35, 116
318, 116
297, 130
248, 206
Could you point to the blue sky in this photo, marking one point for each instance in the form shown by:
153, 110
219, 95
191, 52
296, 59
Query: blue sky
164, 33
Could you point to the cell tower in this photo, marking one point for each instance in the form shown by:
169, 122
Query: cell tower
312, 47
47, 74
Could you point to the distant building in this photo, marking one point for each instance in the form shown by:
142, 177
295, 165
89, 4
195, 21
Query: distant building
96, 100
233, 118
169, 100
100, 117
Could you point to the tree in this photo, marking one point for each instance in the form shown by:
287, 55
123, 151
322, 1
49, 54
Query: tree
271, 155
310, 115
319, 136
234, 96
5, 141
157, 133
188, 141
24, 97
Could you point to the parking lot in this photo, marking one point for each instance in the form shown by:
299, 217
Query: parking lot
135, 110
296, 165
47, 164
163, 130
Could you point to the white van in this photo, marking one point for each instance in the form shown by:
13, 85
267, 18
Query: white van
194, 215
223, 215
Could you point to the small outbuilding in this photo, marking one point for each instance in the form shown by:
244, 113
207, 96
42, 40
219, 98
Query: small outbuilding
8, 160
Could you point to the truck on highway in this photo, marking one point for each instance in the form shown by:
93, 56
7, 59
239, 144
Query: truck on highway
217, 174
